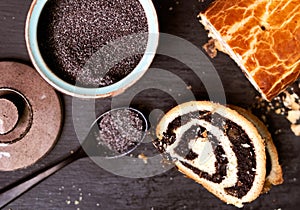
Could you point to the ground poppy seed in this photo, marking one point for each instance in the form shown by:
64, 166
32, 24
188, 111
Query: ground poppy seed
121, 130
92, 43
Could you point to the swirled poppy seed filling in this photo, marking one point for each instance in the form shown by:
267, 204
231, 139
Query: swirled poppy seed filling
241, 146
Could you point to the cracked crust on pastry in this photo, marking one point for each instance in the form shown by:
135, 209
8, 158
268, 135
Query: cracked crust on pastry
261, 36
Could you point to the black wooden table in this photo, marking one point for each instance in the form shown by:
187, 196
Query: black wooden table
85, 185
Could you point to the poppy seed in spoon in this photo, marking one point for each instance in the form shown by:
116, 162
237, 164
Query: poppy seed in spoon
92, 43
120, 130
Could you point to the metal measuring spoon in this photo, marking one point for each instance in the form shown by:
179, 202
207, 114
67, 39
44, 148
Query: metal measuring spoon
91, 146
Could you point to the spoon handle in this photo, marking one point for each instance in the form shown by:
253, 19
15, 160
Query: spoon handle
16, 189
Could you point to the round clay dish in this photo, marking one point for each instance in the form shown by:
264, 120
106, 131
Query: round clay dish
44, 117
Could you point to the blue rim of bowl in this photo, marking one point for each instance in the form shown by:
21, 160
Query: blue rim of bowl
81, 92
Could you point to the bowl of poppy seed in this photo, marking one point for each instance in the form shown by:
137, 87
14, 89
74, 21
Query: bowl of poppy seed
92, 48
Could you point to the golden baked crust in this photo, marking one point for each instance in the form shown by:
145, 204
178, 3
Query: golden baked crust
262, 36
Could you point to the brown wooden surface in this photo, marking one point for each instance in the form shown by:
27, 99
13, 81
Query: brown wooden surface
100, 189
